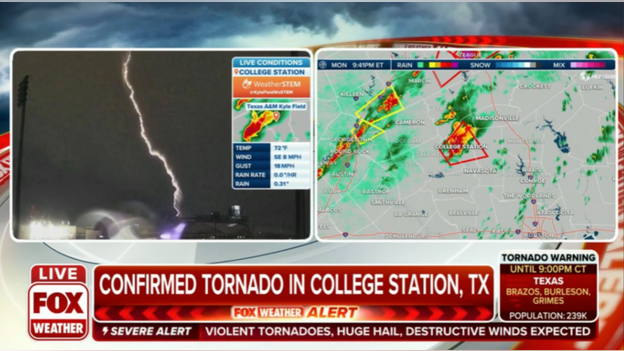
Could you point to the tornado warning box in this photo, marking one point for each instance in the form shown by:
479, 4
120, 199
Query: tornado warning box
271, 123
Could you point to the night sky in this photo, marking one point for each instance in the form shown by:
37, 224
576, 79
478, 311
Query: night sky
83, 149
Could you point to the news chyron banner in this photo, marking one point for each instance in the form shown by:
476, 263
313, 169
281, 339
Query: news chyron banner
285, 303
543, 295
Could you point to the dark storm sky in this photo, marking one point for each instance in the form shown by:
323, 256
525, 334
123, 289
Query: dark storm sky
282, 24
82, 144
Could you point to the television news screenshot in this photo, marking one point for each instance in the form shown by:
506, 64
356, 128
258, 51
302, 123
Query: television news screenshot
311, 176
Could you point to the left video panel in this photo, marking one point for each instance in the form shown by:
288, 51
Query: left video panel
161, 144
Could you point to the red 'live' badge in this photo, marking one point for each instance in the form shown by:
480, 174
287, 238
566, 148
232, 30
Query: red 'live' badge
58, 302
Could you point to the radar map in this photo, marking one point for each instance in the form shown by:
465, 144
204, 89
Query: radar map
466, 145
259, 125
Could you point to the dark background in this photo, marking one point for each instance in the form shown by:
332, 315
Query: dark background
82, 143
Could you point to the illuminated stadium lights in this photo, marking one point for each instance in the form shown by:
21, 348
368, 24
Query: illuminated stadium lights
59, 230
46, 230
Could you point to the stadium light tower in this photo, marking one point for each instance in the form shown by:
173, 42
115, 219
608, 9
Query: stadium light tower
22, 92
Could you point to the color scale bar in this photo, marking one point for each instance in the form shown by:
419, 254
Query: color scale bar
518, 65
438, 65
587, 65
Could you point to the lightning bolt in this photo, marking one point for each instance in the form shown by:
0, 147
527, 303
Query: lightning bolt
177, 195
105, 330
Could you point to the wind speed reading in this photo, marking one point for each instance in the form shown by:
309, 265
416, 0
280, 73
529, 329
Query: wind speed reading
476, 145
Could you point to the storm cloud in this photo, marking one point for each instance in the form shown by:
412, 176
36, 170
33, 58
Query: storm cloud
283, 24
